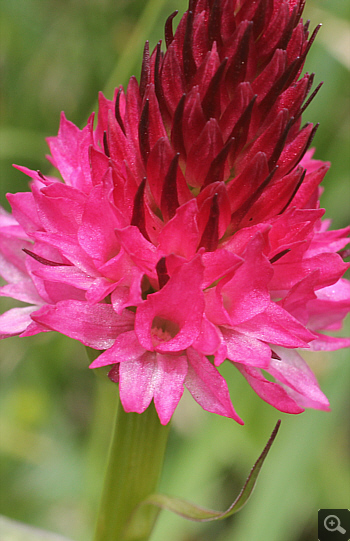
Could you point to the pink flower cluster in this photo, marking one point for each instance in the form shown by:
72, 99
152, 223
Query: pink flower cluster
187, 229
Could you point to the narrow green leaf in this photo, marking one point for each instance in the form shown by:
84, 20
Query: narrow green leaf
11, 530
196, 513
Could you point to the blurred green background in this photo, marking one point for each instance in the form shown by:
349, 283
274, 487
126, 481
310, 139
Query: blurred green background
55, 414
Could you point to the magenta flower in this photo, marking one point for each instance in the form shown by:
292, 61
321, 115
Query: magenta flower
187, 229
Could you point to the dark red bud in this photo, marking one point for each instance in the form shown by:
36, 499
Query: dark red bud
307, 103
143, 132
217, 166
294, 192
169, 201
278, 256
214, 25
241, 129
117, 111
145, 78
238, 65
189, 64
280, 145
113, 374
275, 356
176, 131
162, 272
138, 213
105, 144
40, 174
45, 261
211, 101
168, 30
210, 237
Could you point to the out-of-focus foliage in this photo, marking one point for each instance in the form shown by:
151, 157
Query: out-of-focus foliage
55, 414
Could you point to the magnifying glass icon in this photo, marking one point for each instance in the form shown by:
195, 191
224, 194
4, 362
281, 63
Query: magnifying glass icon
332, 524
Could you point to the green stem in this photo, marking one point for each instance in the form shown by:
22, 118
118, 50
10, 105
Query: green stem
135, 462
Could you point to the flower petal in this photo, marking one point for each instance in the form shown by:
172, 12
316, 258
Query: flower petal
245, 349
208, 387
271, 392
96, 326
136, 382
169, 387
277, 326
125, 348
15, 321
246, 294
292, 371
181, 235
